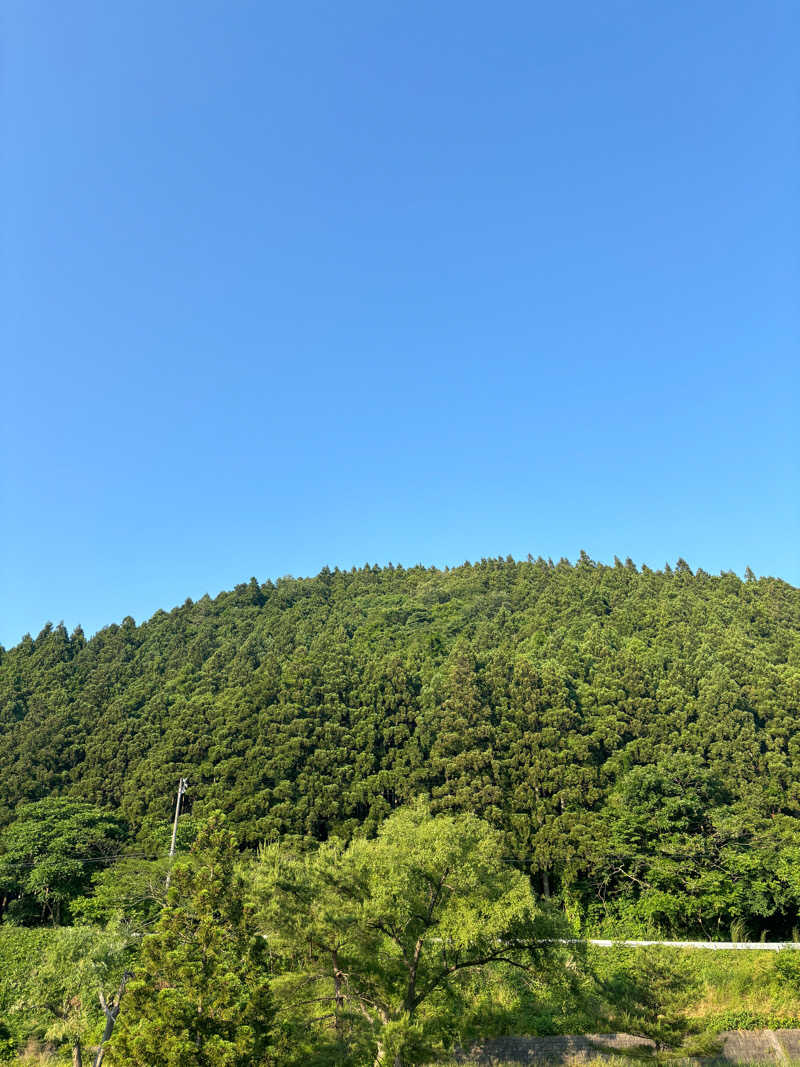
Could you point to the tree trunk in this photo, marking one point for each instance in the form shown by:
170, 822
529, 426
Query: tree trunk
338, 998
77, 1058
111, 1009
546, 885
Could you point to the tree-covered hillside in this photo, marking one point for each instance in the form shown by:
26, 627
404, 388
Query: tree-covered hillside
635, 734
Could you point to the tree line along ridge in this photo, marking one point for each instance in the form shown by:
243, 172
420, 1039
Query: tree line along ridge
632, 734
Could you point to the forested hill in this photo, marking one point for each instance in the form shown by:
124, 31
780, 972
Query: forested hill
635, 733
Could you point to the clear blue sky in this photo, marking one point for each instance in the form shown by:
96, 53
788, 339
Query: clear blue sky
295, 284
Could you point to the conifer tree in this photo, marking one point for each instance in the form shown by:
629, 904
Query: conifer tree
200, 995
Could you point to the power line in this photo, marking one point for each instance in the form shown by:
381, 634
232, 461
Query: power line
97, 858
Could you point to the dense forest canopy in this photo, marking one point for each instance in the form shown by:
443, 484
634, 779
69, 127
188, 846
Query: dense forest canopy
632, 733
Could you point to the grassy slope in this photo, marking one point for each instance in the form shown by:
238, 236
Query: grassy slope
747, 990
736, 990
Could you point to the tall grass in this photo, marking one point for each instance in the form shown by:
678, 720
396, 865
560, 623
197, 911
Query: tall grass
729, 990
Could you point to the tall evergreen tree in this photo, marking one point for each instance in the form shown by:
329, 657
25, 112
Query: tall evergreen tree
200, 995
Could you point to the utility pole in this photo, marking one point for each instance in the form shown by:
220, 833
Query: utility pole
183, 785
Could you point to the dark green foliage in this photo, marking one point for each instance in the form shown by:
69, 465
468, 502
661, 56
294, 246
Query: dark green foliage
200, 993
634, 735
8, 1046
787, 970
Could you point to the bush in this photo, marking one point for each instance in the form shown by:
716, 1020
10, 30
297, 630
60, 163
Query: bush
787, 970
650, 992
8, 1046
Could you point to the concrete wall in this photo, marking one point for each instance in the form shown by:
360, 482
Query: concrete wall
738, 1046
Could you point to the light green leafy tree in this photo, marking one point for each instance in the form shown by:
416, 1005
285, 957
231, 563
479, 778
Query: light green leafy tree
200, 995
48, 855
54, 983
131, 893
378, 937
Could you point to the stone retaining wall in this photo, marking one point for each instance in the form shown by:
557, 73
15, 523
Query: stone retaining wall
738, 1046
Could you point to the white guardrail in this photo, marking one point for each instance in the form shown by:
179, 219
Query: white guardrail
744, 946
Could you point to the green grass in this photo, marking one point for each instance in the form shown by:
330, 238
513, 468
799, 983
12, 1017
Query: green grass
747, 990
732, 990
